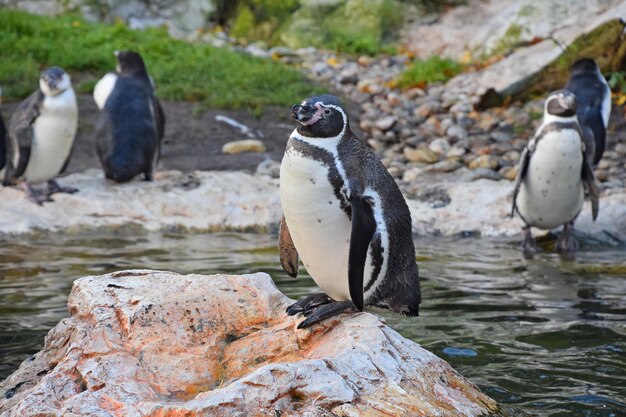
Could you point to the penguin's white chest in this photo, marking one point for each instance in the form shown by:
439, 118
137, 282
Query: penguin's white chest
552, 192
320, 229
53, 135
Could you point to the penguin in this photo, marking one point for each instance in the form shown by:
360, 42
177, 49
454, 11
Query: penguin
40, 136
554, 174
593, 104
3, 132
345, 217
130, 128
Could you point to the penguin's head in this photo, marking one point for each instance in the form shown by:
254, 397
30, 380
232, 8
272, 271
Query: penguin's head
129, 63
54, 81
320, 116
561, 103
584, 65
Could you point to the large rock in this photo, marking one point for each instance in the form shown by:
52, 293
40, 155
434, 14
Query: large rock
484, 207
545, 37
148, 343
203, 201
217, 201
182, 17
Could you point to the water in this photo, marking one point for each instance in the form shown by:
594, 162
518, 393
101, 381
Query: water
546, 336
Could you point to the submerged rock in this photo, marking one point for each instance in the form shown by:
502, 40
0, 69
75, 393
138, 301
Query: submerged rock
149, 343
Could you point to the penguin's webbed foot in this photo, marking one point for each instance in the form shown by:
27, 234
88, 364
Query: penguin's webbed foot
35, 196
308, 304
529, 246
566, 243
325, 311
54, 187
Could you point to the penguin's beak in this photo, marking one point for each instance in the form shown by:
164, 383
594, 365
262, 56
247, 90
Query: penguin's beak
303, 113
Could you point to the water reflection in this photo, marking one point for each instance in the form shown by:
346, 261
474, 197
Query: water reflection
545, 335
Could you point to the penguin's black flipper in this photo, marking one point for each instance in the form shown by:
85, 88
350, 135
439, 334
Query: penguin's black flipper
287, 251
20, 136
363, 229
159, 120
522, 168
591, 186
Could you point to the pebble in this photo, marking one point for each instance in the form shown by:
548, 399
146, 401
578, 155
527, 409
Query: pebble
484, 161
420, 155
245, 145
386, 123
432, 124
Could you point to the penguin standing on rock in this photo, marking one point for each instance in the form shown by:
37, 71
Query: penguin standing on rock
40, 136
129, 131
554, 175
345, 217
593, 104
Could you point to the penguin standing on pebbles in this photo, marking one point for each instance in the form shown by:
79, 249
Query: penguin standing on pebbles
345, 217
593, 104
129, 131
554, 174
40, 136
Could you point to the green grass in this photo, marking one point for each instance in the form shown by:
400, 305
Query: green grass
430, 70
183, 71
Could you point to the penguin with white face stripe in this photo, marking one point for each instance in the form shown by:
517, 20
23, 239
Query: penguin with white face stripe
593, 104
40, 136
345, 217
555, 174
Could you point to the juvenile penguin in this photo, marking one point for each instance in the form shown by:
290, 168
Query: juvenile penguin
129, 131
593, 104
554, 174
40, 135
345, 217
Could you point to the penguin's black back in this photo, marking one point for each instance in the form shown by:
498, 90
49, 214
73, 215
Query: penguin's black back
400, 291
126, 134
590, 93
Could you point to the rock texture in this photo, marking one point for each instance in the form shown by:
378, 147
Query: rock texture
148, 343
537, 42
207, 201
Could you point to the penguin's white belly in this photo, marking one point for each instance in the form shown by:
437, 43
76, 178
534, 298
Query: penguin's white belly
320, 229
103, 89
552, 192
53, 135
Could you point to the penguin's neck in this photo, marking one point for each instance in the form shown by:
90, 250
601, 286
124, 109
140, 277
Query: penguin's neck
63, 102
330, 144
551, 118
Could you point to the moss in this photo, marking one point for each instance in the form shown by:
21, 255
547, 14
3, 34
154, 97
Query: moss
433, 69
211, 76
605, 44
353, 26
509, 40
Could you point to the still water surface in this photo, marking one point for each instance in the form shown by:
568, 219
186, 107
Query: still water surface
546, 336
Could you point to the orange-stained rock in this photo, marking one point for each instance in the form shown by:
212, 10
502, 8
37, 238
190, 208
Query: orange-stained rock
149, 343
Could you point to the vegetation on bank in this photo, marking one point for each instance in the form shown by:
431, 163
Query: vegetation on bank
422, 72
212, 76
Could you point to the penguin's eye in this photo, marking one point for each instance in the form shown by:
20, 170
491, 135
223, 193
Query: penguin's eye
326, 112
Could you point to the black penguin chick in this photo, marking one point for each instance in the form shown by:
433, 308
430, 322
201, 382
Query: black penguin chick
345, 217
593, 105
40, 136
554, 174
131, 125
